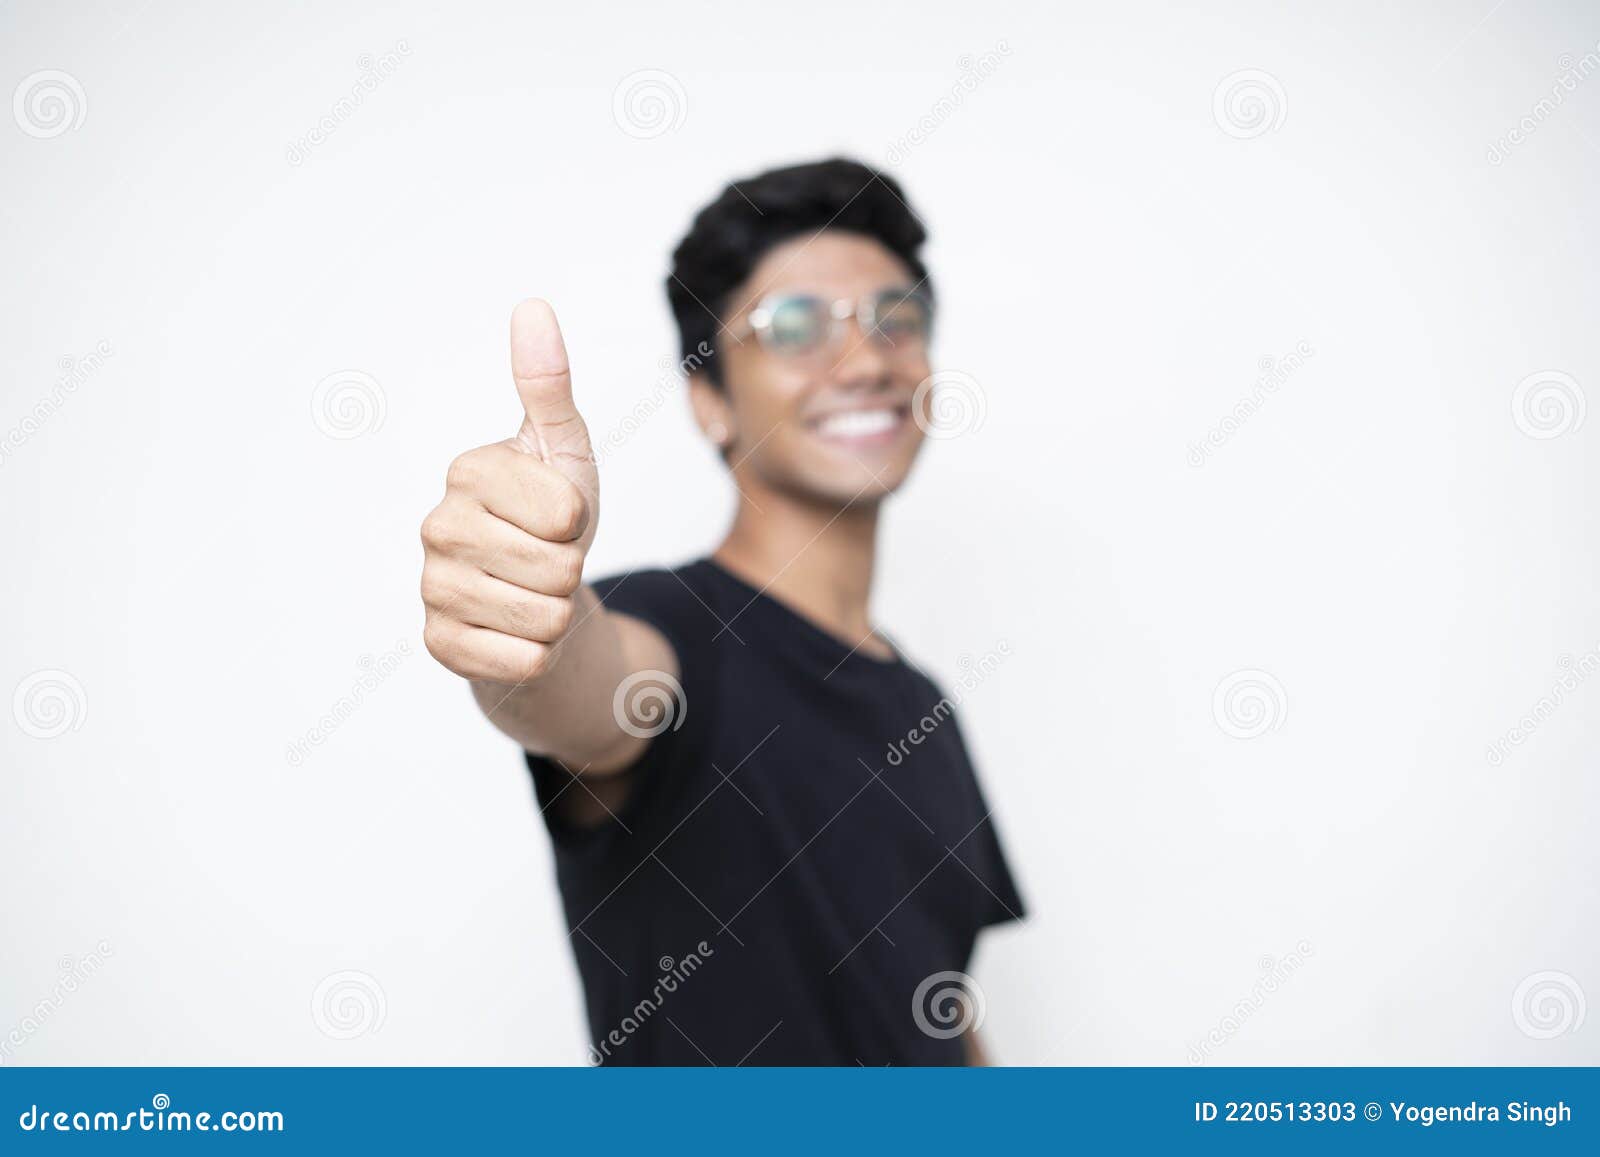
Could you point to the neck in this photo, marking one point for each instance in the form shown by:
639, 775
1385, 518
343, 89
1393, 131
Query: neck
817, 559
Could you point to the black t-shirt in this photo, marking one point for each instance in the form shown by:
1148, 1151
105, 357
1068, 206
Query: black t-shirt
804, 850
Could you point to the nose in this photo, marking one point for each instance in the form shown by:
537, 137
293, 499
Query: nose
861, 362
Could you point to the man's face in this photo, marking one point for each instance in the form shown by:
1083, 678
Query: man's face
833, 425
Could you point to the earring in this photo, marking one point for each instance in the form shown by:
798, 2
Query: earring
718, 433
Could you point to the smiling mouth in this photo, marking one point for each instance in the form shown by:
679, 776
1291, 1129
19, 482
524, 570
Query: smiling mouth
864, 427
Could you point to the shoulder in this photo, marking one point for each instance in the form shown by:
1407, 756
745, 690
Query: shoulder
970, 671
679, 602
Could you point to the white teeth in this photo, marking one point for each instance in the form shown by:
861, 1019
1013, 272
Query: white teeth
858, 423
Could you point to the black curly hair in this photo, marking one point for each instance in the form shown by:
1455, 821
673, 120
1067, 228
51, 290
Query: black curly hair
731, 234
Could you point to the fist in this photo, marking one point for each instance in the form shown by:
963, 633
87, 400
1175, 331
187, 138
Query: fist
503, 553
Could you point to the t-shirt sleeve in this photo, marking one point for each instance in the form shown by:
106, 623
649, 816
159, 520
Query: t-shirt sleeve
673, 712
984, 855
1002, 900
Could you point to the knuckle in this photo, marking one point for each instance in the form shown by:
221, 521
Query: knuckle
531, 665
435, 590
439, 532
560, 616
569, 513
568, 571
464, 472
537, 618
436, 637
526, 551
522, 617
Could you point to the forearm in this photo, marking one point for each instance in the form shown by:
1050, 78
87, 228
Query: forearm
566, 711
976, 1056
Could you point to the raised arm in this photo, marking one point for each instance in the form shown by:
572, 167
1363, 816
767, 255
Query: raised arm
502, 576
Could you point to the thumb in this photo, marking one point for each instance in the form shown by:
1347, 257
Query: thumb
552, 427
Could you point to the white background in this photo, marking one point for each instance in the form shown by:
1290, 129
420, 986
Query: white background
1383, 537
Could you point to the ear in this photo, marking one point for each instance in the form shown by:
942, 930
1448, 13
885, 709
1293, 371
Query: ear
712, 412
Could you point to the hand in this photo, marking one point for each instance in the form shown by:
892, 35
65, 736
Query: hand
504, 552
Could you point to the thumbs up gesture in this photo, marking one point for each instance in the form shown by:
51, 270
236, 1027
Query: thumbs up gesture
504, 551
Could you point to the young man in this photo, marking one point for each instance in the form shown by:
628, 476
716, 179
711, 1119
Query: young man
748, 878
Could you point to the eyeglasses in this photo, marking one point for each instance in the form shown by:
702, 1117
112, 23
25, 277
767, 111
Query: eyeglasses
802, 324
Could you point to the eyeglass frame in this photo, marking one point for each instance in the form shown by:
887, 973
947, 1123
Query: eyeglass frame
758, 322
